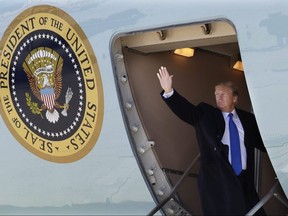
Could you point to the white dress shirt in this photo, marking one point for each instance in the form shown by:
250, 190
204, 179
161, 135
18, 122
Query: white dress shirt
226, 137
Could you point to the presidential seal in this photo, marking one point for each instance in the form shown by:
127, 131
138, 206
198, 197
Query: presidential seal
50, 85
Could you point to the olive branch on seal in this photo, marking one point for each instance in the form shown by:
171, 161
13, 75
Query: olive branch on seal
33, 105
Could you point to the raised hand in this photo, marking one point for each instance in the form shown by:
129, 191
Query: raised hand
165, 79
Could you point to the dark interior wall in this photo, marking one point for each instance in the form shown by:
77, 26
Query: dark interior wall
194, 78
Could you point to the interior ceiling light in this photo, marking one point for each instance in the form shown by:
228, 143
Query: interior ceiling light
187, 52
238, 66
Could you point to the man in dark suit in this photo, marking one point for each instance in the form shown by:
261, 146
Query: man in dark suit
224, 188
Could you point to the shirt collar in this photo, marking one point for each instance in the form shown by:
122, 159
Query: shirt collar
225, 114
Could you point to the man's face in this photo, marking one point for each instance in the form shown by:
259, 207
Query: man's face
224, 98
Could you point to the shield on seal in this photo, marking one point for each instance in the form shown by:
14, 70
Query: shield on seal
48, 97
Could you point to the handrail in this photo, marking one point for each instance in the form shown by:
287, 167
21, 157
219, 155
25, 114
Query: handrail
163, 202
270, 193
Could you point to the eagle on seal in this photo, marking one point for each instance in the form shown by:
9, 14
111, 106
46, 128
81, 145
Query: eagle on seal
43, 68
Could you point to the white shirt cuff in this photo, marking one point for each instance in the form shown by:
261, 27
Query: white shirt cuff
167, 95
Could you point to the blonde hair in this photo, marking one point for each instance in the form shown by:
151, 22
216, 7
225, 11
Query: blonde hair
230, 85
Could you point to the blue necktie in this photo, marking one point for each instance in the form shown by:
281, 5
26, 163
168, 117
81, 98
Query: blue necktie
235, 146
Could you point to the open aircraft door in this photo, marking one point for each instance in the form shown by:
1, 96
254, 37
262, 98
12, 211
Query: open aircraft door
165, 147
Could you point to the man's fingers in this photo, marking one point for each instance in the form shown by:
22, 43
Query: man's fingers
158, 76
163, 71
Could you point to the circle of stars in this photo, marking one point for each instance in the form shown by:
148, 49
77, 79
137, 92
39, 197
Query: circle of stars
79, 79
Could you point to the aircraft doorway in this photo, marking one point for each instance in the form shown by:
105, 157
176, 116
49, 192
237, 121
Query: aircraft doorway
163, 145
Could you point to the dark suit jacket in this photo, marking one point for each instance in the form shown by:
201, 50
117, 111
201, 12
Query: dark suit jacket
221, 191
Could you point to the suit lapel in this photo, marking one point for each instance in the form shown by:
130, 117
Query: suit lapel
220, 132
220, 123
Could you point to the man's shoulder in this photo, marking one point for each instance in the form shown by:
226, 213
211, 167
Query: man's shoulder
244, 113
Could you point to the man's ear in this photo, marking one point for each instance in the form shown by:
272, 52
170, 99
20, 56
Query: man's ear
235, 99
